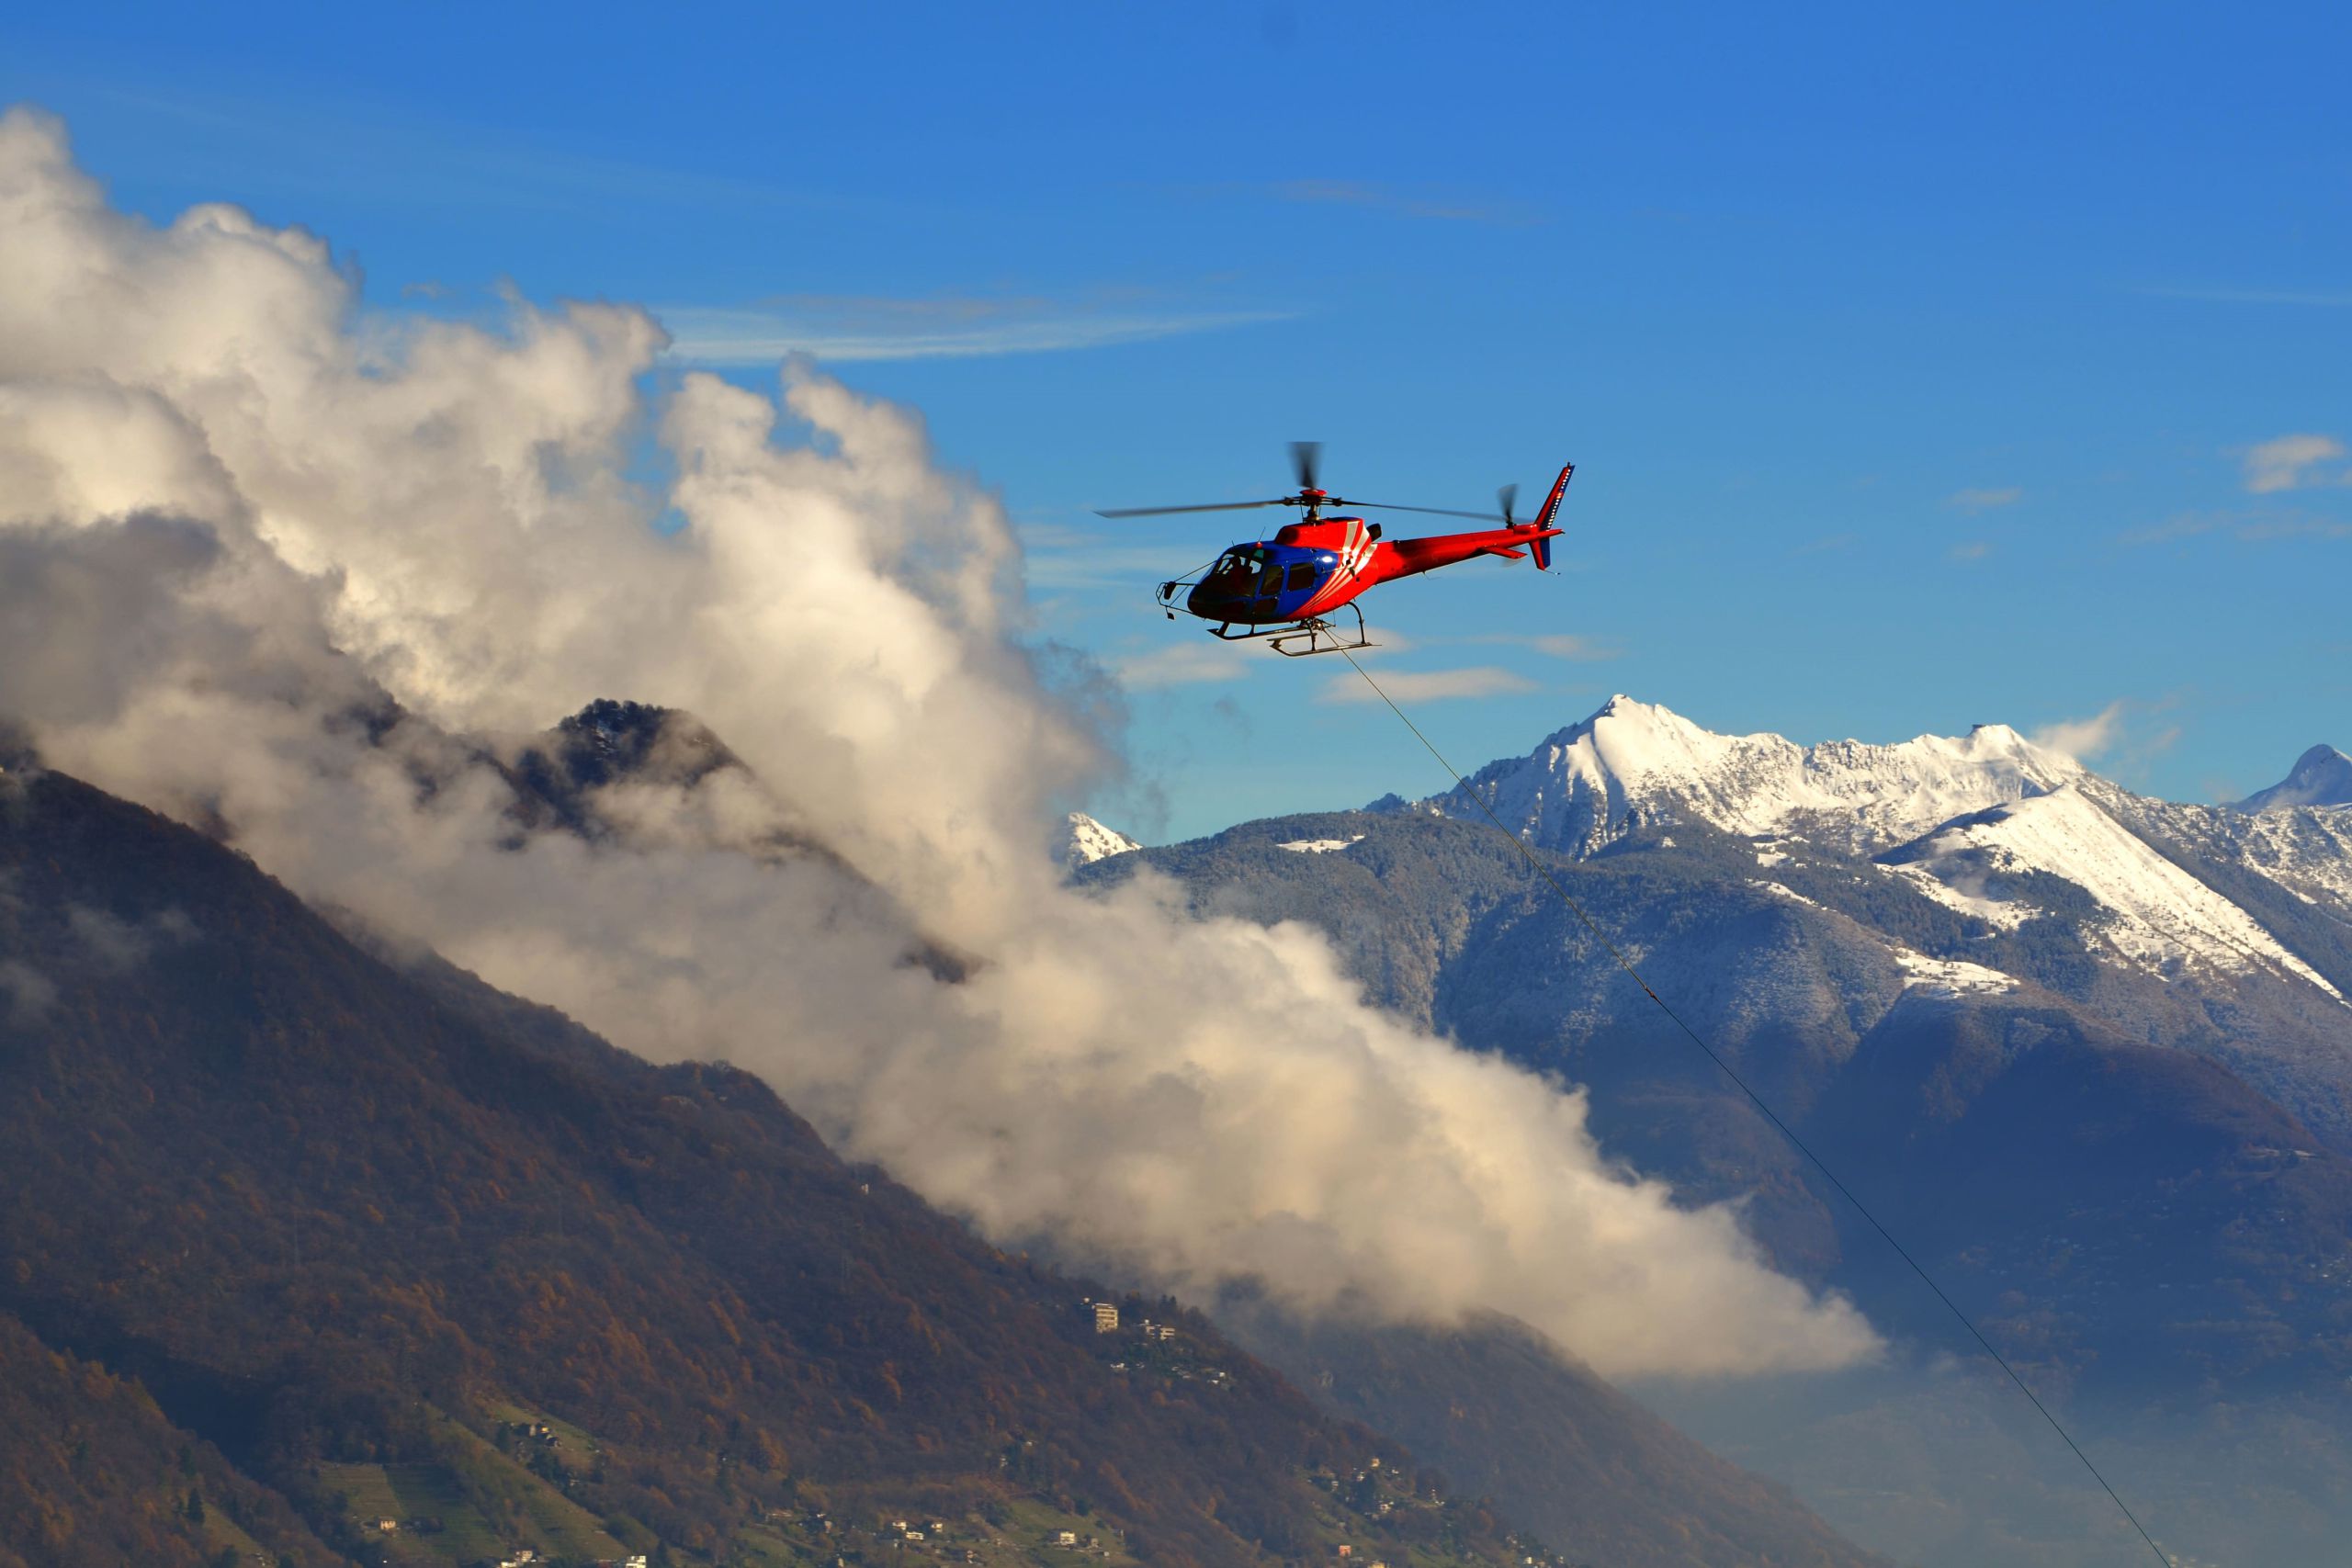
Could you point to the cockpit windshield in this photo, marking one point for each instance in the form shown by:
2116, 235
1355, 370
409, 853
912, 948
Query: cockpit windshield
1255, 571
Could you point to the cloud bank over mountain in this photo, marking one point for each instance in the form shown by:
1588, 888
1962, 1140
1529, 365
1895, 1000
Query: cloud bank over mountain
289, 569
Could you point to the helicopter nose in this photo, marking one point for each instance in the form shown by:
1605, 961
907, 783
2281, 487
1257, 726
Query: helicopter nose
1212, 602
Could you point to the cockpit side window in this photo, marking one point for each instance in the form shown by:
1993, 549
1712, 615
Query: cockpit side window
1302, 575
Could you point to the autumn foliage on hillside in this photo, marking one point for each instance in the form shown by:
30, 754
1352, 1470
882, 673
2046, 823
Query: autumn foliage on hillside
318, 1207
93, 1475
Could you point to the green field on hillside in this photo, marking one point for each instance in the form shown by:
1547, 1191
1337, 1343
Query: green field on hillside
484, 1502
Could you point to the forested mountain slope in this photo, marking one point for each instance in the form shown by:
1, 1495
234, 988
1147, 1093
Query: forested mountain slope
370, 1239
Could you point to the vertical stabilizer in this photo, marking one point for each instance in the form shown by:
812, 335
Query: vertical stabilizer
1540, 547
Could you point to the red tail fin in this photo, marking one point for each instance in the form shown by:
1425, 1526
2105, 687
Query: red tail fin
1540, 546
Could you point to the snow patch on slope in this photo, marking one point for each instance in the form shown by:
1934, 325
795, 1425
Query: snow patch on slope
1778, 891
2154, 915
1090, 841
1967, 890
1951, 977
2306, 850
1319, 846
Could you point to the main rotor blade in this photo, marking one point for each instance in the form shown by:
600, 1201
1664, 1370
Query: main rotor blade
1212, 506
1307, 456
1336, 505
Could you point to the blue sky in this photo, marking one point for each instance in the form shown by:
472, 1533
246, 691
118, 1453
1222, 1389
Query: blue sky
1921, 369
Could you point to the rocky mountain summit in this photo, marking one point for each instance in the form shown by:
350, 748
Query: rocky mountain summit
2321, 776
1089, 841
1977, 823
1631, 763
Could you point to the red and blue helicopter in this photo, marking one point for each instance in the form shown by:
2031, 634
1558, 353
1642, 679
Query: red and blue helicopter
1284, 588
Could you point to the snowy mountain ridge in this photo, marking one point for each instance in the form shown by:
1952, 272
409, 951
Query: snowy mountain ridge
1588, 785
2158, 917
1968, 821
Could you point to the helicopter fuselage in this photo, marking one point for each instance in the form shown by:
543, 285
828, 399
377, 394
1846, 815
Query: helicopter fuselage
1306, 568
1313, 567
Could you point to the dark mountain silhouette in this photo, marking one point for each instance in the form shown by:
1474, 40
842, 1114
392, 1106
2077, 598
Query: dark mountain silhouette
361, 1234
558, 777
557, 773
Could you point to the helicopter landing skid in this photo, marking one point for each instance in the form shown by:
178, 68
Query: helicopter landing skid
1320, 636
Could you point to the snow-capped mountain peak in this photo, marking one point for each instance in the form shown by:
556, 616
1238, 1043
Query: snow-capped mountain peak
2321, 776
1090, 841
1632, 762
1987, 823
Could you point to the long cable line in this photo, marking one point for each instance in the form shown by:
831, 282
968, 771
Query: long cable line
1758, 1100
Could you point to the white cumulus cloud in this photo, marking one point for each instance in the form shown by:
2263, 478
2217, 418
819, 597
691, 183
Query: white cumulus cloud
266, 562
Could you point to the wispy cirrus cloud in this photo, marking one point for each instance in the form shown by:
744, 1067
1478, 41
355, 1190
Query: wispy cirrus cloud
1426, 686
1062, 557
2294, 462
1184, 664
2186, 526
1985, 499
2324, 298
1451, 206
2245, 528
1201, 659
2271, 528
348, 142
851, 327
1554, 645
